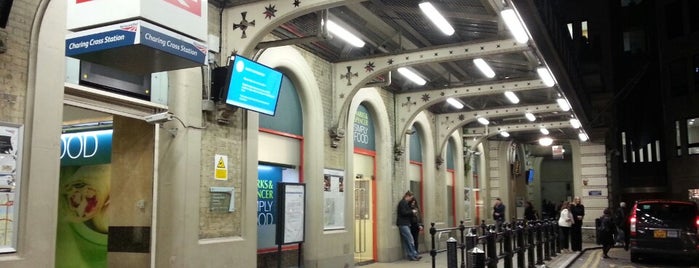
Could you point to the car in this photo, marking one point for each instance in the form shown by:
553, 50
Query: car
666, 228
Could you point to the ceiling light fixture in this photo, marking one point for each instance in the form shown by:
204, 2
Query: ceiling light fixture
546, 76
483, 121
344, 34
544, 131
456, 103
583, 136
504, 134
433, 14
563, 104
512, 97
412, 76
515, 25
545, 141
575, 123
530, 116
484, 67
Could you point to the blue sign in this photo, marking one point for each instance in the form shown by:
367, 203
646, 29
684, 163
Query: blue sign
172, 45
86, 148
267, 181
253, 86
364, 134
99, 41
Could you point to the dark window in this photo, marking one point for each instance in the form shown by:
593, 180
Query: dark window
695, 71
674, 22
678, 78
694, 19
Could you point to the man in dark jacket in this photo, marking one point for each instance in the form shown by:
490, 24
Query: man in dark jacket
578, 211
498, 212
621, 222
404, 219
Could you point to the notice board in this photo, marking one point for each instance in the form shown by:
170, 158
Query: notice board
291, 213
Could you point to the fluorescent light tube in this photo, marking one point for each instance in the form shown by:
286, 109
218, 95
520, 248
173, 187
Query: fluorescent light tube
483, 121
545, 141
544, 131
583, 137
412, 76
530, 116
436, 18
456, 103
575, 123
484, 67
546, 76
514, 25
345, 35
512, 97
504, 134
563, 104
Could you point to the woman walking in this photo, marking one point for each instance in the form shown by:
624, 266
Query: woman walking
565, 220
606, 232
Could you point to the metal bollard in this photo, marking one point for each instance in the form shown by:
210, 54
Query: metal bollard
520, 244
539, 245
451, 253
433, 251
477, 258
462, 246
554, 236
530, 243
471, 240
491, 247
507, 240
546, 240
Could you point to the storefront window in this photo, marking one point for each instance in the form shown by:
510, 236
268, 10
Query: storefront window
693, 135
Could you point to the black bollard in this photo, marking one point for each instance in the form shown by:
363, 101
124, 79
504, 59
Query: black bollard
451, 253
477, 257
433, 251
539, 245
507, 240
471, 240
530, 244
491, 247
521, 247
553, 232
462, 246
546, 239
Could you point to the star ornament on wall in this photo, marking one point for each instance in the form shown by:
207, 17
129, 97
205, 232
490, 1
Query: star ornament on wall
425, 97
369, 67
270, 11
297, 3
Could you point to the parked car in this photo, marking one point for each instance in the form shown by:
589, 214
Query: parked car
665, 228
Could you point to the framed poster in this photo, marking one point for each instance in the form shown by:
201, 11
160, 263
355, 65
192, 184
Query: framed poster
10, 167
292, 205
334, 199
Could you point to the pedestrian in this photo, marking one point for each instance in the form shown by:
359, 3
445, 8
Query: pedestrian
622, 225
578, 211
565, 220
405, 216
606, 231
416, 223
529, 212
498, 212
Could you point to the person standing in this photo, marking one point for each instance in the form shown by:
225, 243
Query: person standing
416, 223
498, 212
529, 213
578, 211
606, 232
405, 216
622, 225
565, 220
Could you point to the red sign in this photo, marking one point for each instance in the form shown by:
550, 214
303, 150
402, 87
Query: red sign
193, 6
81, 1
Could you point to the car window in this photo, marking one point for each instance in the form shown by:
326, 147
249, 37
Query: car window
663, 212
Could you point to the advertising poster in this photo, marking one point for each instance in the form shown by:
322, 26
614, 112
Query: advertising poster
334, 196
268, 178
9, 157
83, 219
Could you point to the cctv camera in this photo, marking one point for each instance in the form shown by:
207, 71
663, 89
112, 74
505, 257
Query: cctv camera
158, 118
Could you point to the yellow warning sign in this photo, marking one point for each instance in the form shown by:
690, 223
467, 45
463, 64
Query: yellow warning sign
221, 167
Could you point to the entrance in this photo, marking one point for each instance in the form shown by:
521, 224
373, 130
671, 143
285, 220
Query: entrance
364, 210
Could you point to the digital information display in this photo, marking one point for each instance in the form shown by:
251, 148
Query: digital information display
253, 86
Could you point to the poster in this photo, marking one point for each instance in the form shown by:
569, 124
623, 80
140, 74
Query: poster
10, 143
294, 207
84, 189
334, 198
267, 181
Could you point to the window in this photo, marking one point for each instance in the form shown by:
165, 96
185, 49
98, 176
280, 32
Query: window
693, 135
674, 21
694, 20
678, 78
695, 71
634, 41
678, 140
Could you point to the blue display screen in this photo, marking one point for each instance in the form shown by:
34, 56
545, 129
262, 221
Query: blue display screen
530, 176
253, 86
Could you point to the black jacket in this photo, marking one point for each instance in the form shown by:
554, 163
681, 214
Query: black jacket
405, 213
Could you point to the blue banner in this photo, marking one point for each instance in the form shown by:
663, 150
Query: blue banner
364, 133
99, 41
172, 45
268, 179
86, 148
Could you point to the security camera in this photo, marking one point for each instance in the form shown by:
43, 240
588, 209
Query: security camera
158, 118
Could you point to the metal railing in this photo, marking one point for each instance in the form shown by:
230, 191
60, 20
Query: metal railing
484, 245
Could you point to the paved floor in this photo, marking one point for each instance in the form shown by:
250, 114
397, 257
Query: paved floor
561, 260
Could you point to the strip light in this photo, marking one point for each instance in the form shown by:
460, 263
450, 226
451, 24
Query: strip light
514, 25
504, 134
575, 123
412, 76
433, 14
545, 141
512, 97
563, 104
583, 137
544, 131
483, 121
456, 103
345, 35
484, 67
530, 116
546, 76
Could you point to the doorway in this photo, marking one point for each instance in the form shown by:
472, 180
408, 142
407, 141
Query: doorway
364, 209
